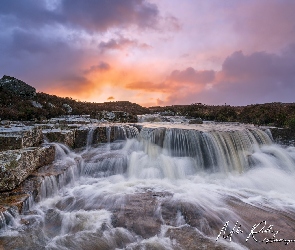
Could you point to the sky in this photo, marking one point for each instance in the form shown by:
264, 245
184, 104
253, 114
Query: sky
152, 52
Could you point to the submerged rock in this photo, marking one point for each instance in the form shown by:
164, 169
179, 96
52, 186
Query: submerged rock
144, 220
189, 238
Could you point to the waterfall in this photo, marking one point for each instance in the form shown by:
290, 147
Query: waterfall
90, 137
108, 131
223, 151
168, 186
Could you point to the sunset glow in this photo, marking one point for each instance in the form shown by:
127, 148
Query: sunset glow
152, 52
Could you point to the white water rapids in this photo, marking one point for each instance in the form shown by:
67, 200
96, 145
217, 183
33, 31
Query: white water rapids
170, 187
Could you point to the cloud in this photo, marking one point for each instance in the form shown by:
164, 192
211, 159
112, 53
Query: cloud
255, 78
111, 98
89, 15
22, 41
265, 24
74, 81
121, 44
45, 42
191, 75
45, 62
258, 77
150, 86
28, 14
101, 15
102, 66
63, 45
179, 81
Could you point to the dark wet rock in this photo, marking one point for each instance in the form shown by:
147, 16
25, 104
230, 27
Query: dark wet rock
66, 137
16, 137
17, 87
138, 126
17, 165
283, 136
81, 137
100, 135
196, 121
104, 133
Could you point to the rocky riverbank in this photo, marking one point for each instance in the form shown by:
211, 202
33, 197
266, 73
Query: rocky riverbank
29, 157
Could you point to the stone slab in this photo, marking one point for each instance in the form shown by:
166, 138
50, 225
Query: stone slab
18, 137
34, 188
66, 137
17, 165
284, 136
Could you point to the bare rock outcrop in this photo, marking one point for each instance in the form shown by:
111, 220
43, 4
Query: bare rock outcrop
17, 165
66, 137
18, 137
17, 87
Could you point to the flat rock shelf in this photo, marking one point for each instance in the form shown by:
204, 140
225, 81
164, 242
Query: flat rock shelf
159, 185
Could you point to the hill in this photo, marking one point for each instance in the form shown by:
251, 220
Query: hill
20, 101
271, 114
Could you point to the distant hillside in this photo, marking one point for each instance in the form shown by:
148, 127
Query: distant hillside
273, 114
19, 101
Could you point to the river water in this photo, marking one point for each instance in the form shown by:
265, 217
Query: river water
171, 186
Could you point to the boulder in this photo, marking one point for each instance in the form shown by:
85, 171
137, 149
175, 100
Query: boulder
17, 165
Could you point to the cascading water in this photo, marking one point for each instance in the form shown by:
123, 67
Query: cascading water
90, 137
168, 187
